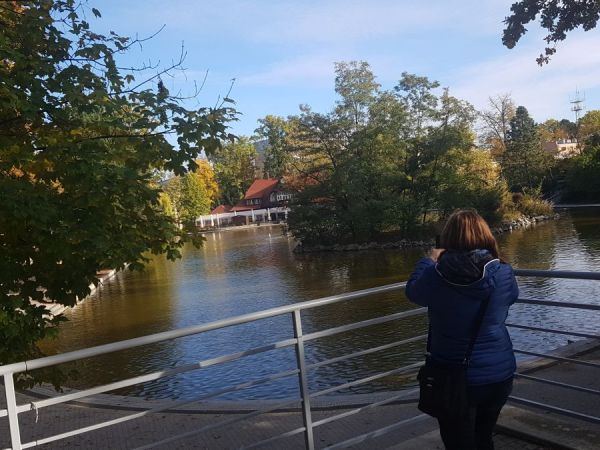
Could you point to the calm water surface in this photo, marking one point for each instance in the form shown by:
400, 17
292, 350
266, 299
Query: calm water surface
242, 271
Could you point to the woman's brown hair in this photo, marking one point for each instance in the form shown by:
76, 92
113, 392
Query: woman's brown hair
466, 230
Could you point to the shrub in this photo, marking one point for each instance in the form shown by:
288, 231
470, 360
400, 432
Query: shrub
532, 204
583, 177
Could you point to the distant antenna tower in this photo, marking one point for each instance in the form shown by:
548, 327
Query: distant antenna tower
578, 106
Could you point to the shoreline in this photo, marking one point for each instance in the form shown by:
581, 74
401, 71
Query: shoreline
104, 275
244, 227
506, 227
56, 309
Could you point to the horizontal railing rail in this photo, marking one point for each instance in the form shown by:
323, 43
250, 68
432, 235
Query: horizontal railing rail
558, 383
575, 275
553, 331
301, 370
531, 301
558, 358
188, 331
555, 409
366, 352
569, 274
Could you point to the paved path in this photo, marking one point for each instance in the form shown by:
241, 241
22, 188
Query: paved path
417, 436
431, 441
554, 427
154, 427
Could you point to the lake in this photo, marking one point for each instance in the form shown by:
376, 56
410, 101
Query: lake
242, 271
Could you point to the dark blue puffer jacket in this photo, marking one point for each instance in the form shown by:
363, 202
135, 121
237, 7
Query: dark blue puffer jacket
453, 290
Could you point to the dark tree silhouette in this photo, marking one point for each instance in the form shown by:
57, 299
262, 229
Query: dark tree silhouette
557, 16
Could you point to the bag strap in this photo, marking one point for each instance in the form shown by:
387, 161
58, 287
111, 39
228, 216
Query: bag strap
476, 328
474, 334
428, 349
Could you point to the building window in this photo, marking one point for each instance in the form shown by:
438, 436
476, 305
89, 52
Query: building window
282, 196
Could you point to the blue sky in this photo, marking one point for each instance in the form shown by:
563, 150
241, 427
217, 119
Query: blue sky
281, 53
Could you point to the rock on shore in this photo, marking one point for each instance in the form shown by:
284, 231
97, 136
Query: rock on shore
55, 309
522, 222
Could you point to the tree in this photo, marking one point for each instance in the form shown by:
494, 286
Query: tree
234, 166
167, 205
496, 122
525, 164
569, 127
589, 125
192, 194
436, 124
208, 179
355, 84
552, 130
583, 178
337, 159
558, 17
194, 200
522, 127
277, 153
471, 179
81, 140
383, 172
416, 93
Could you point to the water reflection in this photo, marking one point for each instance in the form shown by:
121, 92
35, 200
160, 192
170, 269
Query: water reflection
249, 270
571, 243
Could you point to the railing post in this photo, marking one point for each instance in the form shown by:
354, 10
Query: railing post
11, 407
303, 381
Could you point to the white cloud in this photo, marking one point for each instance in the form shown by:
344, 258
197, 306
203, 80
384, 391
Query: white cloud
545, 91
292, 44
313, 69
317, 70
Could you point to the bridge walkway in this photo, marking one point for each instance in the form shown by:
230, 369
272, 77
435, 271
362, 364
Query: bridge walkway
155, 427
520, 427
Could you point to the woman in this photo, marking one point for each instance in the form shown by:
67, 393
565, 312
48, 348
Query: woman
452, 283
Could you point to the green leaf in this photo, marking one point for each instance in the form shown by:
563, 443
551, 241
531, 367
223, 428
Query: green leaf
78, 181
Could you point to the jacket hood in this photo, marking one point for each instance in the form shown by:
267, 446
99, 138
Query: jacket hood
470, 268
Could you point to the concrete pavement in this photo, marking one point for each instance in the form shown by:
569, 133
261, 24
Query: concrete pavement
519, 427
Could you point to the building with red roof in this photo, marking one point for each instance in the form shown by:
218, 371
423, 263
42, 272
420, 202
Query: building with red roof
221, 209
265, 193
265, 200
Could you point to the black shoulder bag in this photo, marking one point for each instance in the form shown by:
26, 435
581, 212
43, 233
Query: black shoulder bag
443, 388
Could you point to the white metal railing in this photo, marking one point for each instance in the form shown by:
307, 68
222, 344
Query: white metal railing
297, 341
216, 220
